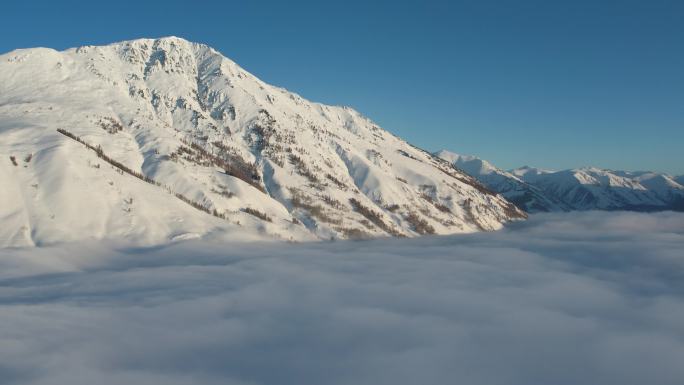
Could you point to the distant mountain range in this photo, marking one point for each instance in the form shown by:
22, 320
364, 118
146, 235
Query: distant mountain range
538, 190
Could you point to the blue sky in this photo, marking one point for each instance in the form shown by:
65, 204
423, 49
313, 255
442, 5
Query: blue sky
553, 84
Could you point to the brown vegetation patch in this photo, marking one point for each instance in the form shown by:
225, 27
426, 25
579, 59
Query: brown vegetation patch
258, 214
420, 225
373, 216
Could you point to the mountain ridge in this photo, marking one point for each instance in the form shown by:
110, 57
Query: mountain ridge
166, 139
585, 188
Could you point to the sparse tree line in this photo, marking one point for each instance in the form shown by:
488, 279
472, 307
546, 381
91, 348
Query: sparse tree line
420, 225
374, 217
100, 153
303, 169
337, 182
232, 163
439, 206
258, 214
299, 200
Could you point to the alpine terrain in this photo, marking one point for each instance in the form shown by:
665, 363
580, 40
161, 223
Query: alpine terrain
156, 140
589, 188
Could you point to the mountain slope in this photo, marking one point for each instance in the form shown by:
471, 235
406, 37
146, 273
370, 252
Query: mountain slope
587, 188
167, 138
522, 194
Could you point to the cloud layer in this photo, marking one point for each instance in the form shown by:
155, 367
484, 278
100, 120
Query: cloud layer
579, 298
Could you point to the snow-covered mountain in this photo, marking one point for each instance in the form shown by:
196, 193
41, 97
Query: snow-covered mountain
587, 188
524, 195
150, 140
679, 179
594, 188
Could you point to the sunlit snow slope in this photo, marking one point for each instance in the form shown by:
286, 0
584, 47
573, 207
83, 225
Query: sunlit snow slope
167, 139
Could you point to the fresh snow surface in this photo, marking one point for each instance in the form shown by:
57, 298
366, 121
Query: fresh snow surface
589, 188
263, 162
562, 299
528, 173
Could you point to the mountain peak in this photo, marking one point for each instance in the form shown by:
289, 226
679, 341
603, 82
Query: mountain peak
158, 139
167, 40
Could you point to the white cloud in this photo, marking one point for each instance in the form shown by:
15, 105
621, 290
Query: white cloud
581, 298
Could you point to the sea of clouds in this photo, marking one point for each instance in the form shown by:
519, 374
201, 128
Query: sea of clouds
579, 298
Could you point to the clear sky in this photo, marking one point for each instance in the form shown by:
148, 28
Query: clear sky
554, 84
